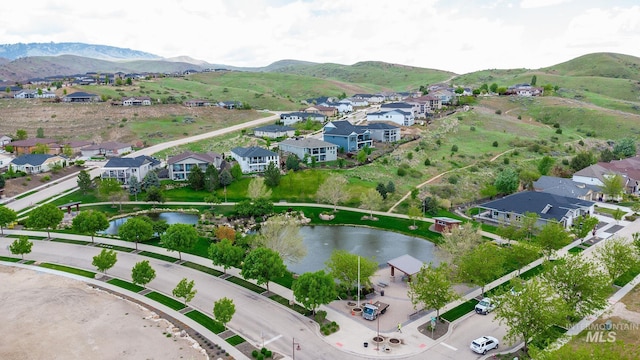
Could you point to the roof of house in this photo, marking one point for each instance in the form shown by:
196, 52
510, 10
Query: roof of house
110, 145
303, 114
308, 143
127, 162
274, 128
593, 171
396, 105
547, 206
563, 187
381, 126
206, 157
33, 142
629, 167
31, 159
343, 128
380, 113
253, 151
80, 94
77, 144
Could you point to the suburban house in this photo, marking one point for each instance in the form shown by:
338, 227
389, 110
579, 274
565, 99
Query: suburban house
343, 107
446, 96
383, 132
35, 94
80, 97
310, 148
628, 169
180, 166
122, 169
106, 149
347, 136
359, 102
547, 206
274, 131
36, 163
76, 146
5, 160
136, 101
28, 146
445, 224
324, 110
524, 90
230, 104
427, 104
567, 187
369, 98
410, 107
300, 116
400, 117
197, 103
5, 140
254, 159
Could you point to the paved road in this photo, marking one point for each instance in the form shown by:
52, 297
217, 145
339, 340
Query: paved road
52, 190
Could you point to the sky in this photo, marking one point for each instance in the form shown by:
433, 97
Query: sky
460, 36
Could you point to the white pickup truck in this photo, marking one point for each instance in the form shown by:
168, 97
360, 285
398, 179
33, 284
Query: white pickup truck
485, 306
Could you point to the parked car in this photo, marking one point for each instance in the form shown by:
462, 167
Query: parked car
483, 344
485, 306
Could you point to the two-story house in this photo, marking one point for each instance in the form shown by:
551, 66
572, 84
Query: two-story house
254, 159
310, 148
274, 131
301, 116
347, 136
400, 117
180, 166
123, 168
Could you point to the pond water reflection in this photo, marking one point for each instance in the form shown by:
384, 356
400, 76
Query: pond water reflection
170, 217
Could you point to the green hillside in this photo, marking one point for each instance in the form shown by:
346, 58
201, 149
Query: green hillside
608, 65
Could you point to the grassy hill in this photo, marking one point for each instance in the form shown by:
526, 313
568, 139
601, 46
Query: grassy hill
609, 65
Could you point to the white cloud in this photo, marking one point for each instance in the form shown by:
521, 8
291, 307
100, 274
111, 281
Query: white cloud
531, 4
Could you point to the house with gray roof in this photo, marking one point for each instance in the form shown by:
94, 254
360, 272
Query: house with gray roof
254, 159
383, 132
400, 117
106, 149
567, 187
80, 96
180, 166
274, 131
628, 169
36, 163
549, 207
347, 136
307, 149
300, 116
123, 168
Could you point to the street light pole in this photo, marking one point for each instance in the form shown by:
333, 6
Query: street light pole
378, 338
293, 348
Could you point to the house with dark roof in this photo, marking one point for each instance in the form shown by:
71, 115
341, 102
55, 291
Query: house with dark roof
567, 187
300, 116
383, 132
180, 166
80, 96
106, 149
547, 206
254, 159
274, 131
324, 110
308, 149
347, 136
36, 163
122, 169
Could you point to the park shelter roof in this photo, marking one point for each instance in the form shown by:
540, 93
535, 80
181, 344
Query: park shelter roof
406, 264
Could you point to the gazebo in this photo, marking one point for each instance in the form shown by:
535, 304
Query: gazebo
406, 264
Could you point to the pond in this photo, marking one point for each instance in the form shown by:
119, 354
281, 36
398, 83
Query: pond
366, 242
169, 217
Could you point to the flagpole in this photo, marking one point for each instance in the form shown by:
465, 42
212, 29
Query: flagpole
358, 281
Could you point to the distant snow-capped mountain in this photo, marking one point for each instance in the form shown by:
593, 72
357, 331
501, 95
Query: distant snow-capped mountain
102, 52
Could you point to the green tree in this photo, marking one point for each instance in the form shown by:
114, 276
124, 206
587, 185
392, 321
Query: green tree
40, 133
617, 256
236, 171
155, 194
134, 187
481, 265
583, 226
211, 178
532, 312
507, 181
263, 265
225, 178
150, 180
612, 186
606, 155
432, 287
520, 254
21, 134
343, 266
105, 260
382, 190
580, 283
257, 189
534, 80
90, 222
527, 178
136, 229
184, 290
391, 187
624, 148
281, 233
21, 246
2, 181
545, 165
292, 163
493, 88
142, 273
179, 237
552, 237
225, 254
196, 178
84, 181
361, 156
582, 160
272, 175
313, 289
414, 213
46, 216
333, 191
488, 191
371, 200
40, 149
108, 187
459, 241
7, 216
223, 310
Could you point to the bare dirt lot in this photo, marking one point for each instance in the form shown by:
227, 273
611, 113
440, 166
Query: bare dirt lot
53, 317
24, 184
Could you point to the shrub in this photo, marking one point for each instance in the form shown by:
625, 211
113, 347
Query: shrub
506, 161
559, 131
401, 171
581, 143
320, 316
519, 117
556, 125
454, 148
254, 353
495, 144
498, 112
473, 128
427, 162
45, 178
